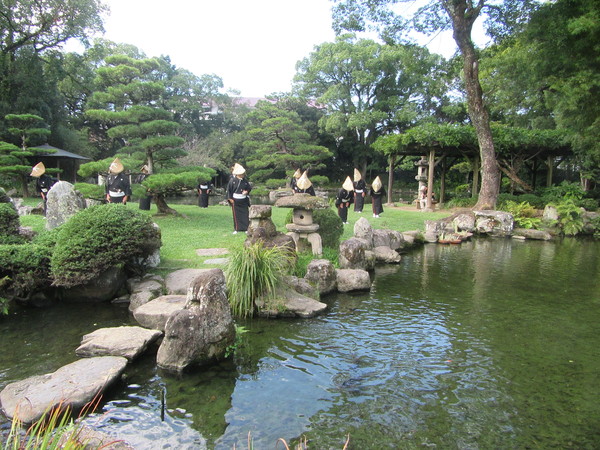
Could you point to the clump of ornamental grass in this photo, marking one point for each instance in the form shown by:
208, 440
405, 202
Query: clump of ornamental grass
253, 272
54, 430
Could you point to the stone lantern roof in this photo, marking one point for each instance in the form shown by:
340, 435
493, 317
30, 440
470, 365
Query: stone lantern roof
302, 201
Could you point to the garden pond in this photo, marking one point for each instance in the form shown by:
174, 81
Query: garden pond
493, 343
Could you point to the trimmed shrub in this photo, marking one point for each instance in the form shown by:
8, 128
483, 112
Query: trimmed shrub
9, 220
24, 269
331, 227
99, 238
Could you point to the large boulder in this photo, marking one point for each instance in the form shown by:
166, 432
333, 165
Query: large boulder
352, 254
103, 288
385, 254
128, 342
62, 203
143, 290
73, 385
178, 282
321, 274
302, 286
363, 230
464, 222
388, 238
353, 280
498, 223
155, 313
286, 302
530, 233
200, 333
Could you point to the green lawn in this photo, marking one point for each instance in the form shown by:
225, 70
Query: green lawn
212, 228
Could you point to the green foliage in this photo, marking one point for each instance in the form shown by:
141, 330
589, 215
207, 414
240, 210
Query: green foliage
99, 238
92, 191
277, 139
570, 220
275, 183
253, 272
462, 202
589, 204
9, 220
319, 180
534, 200
331, 226
25, 269
523, 214
565, 190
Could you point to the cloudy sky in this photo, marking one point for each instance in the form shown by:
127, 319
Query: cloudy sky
253, 45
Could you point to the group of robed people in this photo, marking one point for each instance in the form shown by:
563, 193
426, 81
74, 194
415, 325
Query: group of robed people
118, 190
354, 192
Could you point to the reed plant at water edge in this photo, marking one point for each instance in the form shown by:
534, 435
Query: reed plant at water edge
252, 272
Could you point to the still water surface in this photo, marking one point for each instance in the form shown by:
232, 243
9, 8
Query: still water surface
491, 344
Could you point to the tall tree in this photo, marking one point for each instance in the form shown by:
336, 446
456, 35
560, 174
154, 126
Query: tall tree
30, 28
127, 106
368, 89
278, 142
459, 16
29, 130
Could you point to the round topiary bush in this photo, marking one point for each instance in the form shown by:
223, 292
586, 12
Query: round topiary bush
98, 238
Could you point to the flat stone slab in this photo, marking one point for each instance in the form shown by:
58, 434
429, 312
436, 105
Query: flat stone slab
178, 282
211, 251
73, 385
128, 342
155, 313
218, 261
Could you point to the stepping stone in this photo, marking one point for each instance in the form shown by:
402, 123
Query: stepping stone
128, 342
178, 282
155, 313
217, 261
212, 251
73, 385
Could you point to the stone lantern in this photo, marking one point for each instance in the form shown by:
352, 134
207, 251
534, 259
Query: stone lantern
422, 166
302, 229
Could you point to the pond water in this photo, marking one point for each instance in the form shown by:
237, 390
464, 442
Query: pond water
494, 343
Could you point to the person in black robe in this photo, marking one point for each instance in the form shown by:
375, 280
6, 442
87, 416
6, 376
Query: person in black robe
377, 193
43, 183
204, 190
294, 180
344, 198
360, 188
304, 185
118, 187
238, 189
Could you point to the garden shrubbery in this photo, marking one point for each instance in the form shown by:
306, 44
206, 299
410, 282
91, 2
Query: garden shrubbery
24, 269
99, 238
331, 227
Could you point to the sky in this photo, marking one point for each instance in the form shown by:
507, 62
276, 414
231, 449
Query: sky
253, 45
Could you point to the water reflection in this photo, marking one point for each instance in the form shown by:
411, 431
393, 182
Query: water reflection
489, 344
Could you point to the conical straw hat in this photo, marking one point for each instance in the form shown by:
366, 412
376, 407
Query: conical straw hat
348, 185
238, 169
376, 184
116, 166
38, 170
297, 173
357, 175
303, 182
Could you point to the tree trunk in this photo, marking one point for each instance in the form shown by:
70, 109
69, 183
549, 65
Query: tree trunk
162, 207
462, 23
